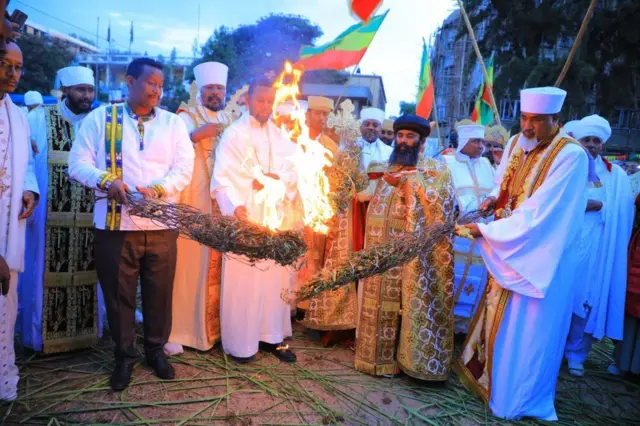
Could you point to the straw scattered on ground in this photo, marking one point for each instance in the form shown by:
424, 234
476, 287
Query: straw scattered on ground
322, 388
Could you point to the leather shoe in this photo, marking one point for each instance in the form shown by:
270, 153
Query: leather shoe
241, 360
280, 351
121, 376
163, 369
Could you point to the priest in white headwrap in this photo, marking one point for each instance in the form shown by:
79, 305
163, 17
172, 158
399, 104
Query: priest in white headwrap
570, 127
62, 307
473, 180
602, 280
33, 100
375, 155
196, 289
515, 344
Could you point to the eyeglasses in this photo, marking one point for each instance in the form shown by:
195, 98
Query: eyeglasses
10, 67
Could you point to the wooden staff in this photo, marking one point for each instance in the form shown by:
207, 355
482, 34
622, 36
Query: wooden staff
576, 43
476, 48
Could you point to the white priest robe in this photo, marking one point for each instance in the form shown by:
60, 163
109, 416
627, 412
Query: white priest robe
532, 255
374, 152
16, 176
473, 181
251, 307
191, 284
600, 295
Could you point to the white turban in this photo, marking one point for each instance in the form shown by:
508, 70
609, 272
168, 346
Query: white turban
570, 127
33, 98
468, 132
593, 125
73, 76
542, 100
375, 114
211, 73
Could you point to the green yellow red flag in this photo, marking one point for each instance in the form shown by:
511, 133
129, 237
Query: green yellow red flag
424, 102
482, 111
345, 51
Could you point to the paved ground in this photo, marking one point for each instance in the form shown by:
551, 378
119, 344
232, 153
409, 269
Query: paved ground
322, 388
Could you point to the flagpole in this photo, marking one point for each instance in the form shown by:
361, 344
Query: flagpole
576, 43
476, 48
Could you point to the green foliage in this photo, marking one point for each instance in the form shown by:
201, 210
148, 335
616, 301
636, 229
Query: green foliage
407, 108
174, 91
253, 50
532, 40
42, 58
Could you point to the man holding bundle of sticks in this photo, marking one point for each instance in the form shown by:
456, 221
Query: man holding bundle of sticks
121, 148
516, 341
415, 300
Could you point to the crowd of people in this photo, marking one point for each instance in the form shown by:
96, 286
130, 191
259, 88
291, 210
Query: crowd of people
539, 279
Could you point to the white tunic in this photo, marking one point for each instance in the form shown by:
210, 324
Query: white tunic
473, 180
167, 160
191, 281
603, 289
251, 309
532, 253
16, 176
375, 152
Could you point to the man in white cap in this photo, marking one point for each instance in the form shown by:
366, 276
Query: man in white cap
602, 281
375, 155
515, 344
33, 100
61, 271
18, 199
196, 289
386, 134
473, 179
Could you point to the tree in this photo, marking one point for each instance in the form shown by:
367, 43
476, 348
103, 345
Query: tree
532, 39
174, 92
407, 108
42, 58
253, 50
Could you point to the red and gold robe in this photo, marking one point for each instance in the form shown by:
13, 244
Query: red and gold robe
406, 314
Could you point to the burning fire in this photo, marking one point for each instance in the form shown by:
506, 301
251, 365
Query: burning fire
310, 158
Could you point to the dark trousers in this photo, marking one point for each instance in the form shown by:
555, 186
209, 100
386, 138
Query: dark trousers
123, 256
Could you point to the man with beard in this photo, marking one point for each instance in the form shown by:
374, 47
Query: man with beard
62, 307
18, 199
122, 148
387, 135
252, 312
405, 313
473, 180
196, 289
602, 281
375, 155
513, 351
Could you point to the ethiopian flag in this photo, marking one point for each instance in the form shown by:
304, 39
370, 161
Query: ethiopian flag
345, 51
482, 112
424, 103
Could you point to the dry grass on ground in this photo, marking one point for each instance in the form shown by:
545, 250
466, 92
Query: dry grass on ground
322, 388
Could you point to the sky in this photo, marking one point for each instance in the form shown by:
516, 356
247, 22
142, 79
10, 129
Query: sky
160, 25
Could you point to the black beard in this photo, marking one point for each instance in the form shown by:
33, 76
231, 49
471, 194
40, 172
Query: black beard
210, 106
387, 141
405, 155
76, 108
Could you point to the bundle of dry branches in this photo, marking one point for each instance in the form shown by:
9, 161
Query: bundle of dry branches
377, 260
345, 177
222, 233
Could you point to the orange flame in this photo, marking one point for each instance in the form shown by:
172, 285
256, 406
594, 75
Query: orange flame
310, 158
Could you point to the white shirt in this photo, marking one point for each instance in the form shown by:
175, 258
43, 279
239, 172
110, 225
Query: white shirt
374, 152
166, 160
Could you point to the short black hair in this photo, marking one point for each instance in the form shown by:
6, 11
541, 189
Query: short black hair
259, 82
136, 67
